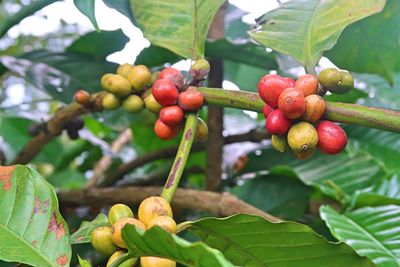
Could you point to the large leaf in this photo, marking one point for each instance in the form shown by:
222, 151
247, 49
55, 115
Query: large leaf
372, 232
304, 29
87, 8
337, 176
178, 25
158, 242
31, 228
283, 196
82, 235
122, 6
253, 241
56, 73
371, 45
100, 44
243, 75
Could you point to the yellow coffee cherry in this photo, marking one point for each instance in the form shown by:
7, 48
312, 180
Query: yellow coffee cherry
153, 207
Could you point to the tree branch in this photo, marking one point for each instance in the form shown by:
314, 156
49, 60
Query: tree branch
218, 204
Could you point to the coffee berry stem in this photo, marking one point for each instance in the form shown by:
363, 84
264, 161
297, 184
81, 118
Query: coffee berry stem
121, 259
181, 157
378, 118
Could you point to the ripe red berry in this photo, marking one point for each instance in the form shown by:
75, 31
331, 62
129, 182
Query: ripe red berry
277, 123
171, 115
289, 82
191, 100
173, 75
332, 139
165, 92
270, 87
308, 84
292, 103
164, 131
82, 97
267, 110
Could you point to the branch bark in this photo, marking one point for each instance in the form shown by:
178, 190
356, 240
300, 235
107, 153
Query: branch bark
218, 204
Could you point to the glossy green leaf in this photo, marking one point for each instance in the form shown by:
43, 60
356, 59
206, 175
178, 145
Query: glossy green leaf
82, 235
246, 77
83, 263
99, 44
87, 8
178, 25
372, 231
123, 6
158, 242
155, 56
248, 240
279, 195
304, 29
56, 73
371, 45
68, 179
31, 227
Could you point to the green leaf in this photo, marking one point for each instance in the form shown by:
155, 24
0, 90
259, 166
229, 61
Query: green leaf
24, 12
280, 195
87, 9
372, 232
178, 25
371, 45
304, 29
30, 222
68, 179
99, 44
158, 242
83, 263
245, 76
121, 6
56, 73
248, 240
155, 56
82, 235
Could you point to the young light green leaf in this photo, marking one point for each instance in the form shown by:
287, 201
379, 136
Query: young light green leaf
304, 29
248, 240
82, 235
158, 242
31, 227
178, 25
87, 8
83, 263
373, 232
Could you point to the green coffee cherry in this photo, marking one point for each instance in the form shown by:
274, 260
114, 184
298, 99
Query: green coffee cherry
116, 84
102, 242
279, 143
124, 70
133, 104
346, 83
151, 104
201, 131
139, 77
110, 101
329, 77
119, 211
200, 69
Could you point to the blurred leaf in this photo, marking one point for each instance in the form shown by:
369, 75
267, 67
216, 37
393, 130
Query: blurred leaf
282, 196
155, 56
31, 227
305, 29
246, 77
181, 27
83, 263
56, 73
87, 9
158, 242
99, 44
371, 45
372, 232
235, 28
82, 235
24, 12
249, 240
123, 6
351, 97
67, 179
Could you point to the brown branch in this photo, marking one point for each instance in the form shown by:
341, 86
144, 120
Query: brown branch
104, 163
54, 127
218, 204
254, 135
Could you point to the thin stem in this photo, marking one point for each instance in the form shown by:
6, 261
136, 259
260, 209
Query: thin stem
121, 259
383, 119
180, 158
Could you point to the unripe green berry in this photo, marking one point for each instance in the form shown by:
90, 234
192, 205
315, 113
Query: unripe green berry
279, 143
110, 101
124, 70
116, 84
133, 104
329, 77
151, 103
119, 211
200, 69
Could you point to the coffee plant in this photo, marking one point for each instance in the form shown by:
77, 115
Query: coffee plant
121, 165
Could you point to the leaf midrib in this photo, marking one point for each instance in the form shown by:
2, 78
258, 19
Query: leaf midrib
309, 34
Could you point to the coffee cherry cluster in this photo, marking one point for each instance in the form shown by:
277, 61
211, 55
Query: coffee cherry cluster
153, 211
292, 108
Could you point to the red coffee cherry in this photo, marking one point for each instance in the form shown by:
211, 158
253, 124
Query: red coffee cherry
277, 123
165, 92
315, 108
267, 110
171, 115
82, 97
308, 84
270, 87
164, 131
332, 139
291, 102
191, 99
173, 75
289, 82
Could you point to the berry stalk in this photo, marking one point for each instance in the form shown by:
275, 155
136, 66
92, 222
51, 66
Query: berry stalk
181, 157
378, 118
